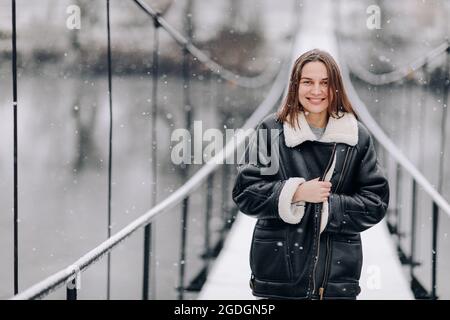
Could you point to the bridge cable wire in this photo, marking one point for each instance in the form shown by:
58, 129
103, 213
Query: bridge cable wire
387, 143
396, 75
248, 82
149, 247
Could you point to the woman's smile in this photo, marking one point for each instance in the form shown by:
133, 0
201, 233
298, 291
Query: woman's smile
316, 101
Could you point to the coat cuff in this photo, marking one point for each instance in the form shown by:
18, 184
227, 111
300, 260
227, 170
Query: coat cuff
288, 212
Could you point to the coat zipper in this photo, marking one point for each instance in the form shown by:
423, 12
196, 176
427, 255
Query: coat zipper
327, 268
316, 259
328, 252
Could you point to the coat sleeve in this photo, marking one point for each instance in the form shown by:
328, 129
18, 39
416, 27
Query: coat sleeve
367, 206
260, 190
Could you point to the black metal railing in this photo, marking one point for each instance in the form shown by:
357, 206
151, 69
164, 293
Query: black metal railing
110, 100
406, 169
16, 202
208, 172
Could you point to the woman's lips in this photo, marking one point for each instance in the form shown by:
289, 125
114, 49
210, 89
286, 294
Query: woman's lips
316, 100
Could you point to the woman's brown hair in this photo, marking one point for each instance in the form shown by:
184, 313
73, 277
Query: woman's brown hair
291, 106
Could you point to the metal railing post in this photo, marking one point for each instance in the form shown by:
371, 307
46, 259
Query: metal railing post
225, 192
226, 219
71, 289
399, 209
154, 114
182, 260
413, 228
16, 181
409, 120
403, 114
185, 206
208, 213
398, 178
422, 122
108, 272
444, 121
434, 251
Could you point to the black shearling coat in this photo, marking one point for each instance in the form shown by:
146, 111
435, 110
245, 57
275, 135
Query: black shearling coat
307, 254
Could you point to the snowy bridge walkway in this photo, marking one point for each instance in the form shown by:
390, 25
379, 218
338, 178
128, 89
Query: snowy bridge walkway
382, 277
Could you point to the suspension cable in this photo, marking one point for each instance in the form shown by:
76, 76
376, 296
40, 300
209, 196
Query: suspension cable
248, 82
396, 75
387, 143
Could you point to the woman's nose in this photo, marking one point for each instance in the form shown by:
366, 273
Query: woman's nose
316, 89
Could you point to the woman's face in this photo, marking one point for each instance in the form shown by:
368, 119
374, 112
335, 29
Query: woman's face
313, 87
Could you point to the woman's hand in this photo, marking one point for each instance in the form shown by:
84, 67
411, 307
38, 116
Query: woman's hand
314, 191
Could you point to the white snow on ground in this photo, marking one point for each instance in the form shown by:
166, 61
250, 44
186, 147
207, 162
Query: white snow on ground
382, 277
230, 274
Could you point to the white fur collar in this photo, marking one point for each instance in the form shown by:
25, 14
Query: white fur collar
342, 130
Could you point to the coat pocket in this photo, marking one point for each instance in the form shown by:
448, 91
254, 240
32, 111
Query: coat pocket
270, 261
346, 261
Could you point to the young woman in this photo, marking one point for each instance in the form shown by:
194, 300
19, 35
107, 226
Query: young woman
328, 188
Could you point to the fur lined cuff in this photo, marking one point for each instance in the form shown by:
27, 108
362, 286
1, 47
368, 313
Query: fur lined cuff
289, 212
324, 219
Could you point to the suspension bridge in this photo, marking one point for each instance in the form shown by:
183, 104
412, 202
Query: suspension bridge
405, 256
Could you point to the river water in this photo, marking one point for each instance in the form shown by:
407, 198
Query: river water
63, 129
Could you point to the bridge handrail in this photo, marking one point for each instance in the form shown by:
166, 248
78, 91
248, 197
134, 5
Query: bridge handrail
399, 74
387, 143
247, 82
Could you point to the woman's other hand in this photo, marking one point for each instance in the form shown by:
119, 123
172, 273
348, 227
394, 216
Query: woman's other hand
314, 191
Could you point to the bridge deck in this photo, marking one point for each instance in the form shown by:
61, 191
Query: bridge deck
382, 275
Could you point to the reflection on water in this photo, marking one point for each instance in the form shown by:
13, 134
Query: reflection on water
63, 166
